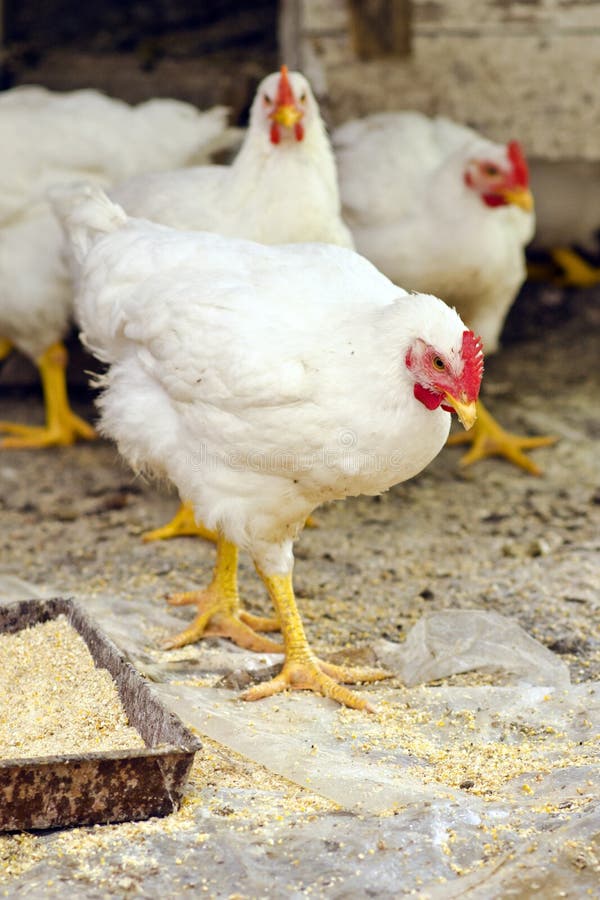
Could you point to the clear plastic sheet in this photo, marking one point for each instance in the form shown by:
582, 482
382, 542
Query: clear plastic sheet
462, 640
303, 739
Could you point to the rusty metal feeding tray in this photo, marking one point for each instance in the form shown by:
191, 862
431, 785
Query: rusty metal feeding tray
92, 788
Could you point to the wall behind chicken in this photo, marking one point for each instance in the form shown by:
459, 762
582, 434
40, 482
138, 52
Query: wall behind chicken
212, 52
526, 68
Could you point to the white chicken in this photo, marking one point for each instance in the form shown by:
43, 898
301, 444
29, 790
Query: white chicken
238, 370
281, 188
440, 209
48, 139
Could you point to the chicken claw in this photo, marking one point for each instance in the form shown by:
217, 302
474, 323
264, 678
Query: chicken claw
311, 674
219, 611
488, 438
302, 670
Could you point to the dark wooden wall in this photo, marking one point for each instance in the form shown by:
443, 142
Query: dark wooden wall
203, 51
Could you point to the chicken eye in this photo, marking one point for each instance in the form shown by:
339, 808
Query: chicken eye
438, 363
491, 170
267, 100
303, 97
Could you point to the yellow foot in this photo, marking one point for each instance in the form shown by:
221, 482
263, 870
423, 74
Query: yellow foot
182, 524
213, 620
302, 671
60, 434
311, 674
62, 427
219, 610
488, 438
576, 271
311, 522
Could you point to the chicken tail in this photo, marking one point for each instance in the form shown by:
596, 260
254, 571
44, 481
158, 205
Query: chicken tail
84, 212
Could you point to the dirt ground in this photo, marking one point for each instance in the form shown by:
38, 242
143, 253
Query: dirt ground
488, 538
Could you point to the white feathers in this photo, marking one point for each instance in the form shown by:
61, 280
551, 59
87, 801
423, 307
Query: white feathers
260, 380
272, 193
411, 213
85, 212
50, 139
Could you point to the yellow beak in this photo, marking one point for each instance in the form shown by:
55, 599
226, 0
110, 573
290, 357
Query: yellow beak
287, 115
465, 410
519, 196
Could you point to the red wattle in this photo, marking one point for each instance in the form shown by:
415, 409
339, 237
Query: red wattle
494, 200
428, 398
275, 134
299, 131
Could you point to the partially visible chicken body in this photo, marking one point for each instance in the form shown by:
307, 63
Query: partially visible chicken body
281, 188
249, 414
49, 139
440, 209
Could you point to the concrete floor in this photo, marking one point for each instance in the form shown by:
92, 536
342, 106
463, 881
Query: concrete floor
294, 796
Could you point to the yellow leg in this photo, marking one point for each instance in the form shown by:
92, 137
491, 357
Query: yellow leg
488, 438
301, 668
62, 426
183, 523
576, 271
5, 348
219, 610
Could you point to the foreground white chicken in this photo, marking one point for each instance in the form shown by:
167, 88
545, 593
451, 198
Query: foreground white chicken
49, 139
281, 188
439, 208
238, 370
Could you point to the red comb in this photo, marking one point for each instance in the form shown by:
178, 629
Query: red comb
519, 163
285, 94
472, 354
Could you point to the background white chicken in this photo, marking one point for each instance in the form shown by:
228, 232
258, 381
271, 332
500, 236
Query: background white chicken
49, 139
240, 399
281, 188
440, 209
